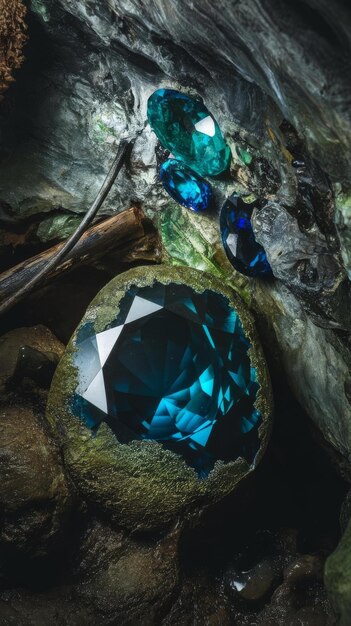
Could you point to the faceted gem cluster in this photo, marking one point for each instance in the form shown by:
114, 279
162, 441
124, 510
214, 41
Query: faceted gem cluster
173, 367
185, 186
186, 128
243, 251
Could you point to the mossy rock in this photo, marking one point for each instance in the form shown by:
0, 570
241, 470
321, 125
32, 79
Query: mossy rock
338, 578
141, 484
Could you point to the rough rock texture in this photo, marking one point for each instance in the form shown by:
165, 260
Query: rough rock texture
112, 579
338, 578
186, 576
126, 579
142, 485
12, 39
35, 501
316, 360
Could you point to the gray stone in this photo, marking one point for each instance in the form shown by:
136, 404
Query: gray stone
38, 338
35, 501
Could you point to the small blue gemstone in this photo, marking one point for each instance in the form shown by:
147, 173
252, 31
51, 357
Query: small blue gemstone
186, 187
173, 366
241, 247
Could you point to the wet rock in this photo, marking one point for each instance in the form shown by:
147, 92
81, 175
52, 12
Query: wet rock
338, 578
31, 352
199, 601
37, 366
35, 500
306, 566
127, 579
253, 584
315, 360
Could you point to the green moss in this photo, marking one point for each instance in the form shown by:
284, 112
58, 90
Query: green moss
142, 485
244, 155
57, 227
194, 241
338, 578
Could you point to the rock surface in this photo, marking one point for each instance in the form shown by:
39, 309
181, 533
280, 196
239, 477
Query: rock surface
272, 61
16, 360
35, 500
13, 38
114, 580
62, 142
338, 578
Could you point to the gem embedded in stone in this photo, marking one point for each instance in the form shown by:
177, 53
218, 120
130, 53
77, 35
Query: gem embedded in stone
243, 251
185, 187
174, 367
186, 128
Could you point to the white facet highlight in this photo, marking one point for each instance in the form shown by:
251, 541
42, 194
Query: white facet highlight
232, 243
206, 126
96, 394
141, 308
105, 342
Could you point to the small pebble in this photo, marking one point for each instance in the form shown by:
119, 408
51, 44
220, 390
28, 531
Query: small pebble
252, 584
306, 566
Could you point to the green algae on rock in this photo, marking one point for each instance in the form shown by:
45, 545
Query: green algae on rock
139, 482
36, 504
337, 578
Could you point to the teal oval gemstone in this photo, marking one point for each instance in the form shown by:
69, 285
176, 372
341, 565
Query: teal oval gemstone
186, 128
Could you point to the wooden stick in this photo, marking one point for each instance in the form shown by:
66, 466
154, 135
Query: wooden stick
123, 148
119, 233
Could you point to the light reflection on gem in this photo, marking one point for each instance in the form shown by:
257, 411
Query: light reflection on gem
243, 251
172, 366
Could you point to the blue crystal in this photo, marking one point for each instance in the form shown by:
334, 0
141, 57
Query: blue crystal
241, 247
173, 366
186, 187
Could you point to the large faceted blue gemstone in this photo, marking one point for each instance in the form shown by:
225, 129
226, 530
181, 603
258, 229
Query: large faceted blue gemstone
241, 247
187, 129
174, 366
186, 187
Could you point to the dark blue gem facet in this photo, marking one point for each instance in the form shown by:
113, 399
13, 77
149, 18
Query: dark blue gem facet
184, 186
241, 247
173, 367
